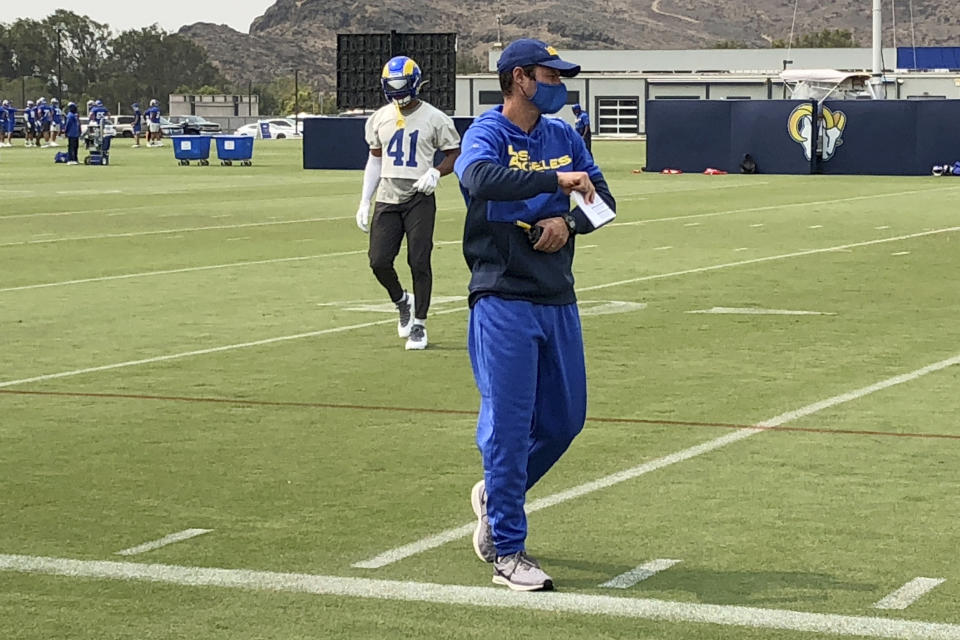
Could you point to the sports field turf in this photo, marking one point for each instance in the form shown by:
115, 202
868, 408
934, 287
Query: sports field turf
205, 348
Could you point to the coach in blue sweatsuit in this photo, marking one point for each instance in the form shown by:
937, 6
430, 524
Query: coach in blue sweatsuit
525, 340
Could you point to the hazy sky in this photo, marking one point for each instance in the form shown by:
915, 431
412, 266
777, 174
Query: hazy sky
128, 14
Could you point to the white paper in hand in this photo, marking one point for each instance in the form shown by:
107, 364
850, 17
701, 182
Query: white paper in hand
597, 213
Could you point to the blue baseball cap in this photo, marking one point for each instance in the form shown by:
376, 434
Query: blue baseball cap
527, 51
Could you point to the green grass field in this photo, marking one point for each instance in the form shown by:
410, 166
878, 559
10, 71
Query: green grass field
205, 348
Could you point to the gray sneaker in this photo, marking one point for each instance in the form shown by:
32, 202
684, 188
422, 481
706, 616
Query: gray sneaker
405, 309
482, 535
520, 572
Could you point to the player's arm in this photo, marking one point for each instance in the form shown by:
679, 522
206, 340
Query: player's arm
449, 158
491, 181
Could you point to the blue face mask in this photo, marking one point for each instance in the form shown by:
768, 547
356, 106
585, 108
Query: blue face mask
549, 98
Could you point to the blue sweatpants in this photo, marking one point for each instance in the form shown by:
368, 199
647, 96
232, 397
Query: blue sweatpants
528, 363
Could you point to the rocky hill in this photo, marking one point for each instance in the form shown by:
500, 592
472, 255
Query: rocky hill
302, 33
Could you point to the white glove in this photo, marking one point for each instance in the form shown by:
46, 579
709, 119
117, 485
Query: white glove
363, 216
428, 181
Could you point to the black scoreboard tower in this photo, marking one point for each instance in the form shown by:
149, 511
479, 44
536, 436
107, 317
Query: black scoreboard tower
360, 60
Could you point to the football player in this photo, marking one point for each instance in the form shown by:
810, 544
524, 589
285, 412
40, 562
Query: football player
583, 126
152, 116
30, 116
6, 136
403, 137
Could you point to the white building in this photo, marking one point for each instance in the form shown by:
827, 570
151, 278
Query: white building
614, 86
215, 106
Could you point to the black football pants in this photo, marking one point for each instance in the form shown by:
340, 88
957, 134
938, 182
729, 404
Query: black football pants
414, 219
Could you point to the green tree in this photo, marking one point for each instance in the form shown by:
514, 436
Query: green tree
136, 65
469, 64
826, 39
31, 54
730, 44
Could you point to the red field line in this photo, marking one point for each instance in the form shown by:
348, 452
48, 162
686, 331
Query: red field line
462, 412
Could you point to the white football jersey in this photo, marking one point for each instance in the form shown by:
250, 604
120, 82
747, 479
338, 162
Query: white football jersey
409, 152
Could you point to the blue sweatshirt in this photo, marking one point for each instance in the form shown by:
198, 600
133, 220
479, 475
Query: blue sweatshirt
72, 128
507, 175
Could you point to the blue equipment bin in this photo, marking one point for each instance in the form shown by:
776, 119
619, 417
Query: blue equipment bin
187, 148
235, 148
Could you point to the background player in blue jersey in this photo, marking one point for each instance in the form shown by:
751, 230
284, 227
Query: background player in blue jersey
56, 125
3, 123
583, 126
44, 121
153, 124
71, 129
137, 124
30, 120
524, 337
6, 137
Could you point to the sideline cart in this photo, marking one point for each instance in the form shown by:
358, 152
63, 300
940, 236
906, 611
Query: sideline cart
187, 148
232, 149
97, 138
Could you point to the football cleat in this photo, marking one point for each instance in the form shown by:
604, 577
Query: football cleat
418, 338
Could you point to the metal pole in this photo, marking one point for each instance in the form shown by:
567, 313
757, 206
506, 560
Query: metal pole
877, 39
23, 91
59, 66
877, 79
296, 100
249, 98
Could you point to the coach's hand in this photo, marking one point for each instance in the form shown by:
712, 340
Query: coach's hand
363, 217
577, 181
427, 183
555, 235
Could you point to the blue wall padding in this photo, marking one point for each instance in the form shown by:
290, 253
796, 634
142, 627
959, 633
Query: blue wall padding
928, 58
338, 143
895, 137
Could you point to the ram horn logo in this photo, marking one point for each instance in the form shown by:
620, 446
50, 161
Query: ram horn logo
832, 124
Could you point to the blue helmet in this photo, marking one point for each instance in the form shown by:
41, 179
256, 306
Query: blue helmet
99, 103
135, 105
401, 79
576, 107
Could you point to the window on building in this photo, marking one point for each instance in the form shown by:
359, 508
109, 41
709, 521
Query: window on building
490, 97
618, 116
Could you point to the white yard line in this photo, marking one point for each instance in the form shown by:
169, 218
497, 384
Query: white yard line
909, 593
748, 311
164, 541
784, 256
774, 207
142, 274
137, 234
165, 205
202, 352
212, 267
89, 192
425, 544
641, 573
486, 597
370, 324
